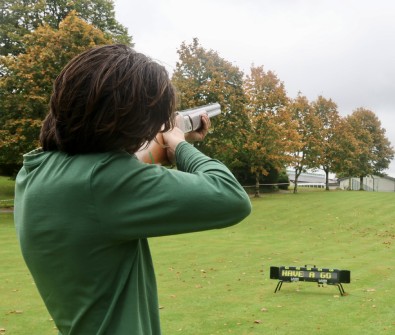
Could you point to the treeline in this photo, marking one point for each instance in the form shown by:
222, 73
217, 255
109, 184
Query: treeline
260, 131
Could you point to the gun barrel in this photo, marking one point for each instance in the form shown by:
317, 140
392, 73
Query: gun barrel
210, 108
191, 120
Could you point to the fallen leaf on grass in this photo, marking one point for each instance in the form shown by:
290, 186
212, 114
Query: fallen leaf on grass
15, 312
263, 309
2, 330
371, 290
258, 321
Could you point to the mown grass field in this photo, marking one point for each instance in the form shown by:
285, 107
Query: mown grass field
217, 282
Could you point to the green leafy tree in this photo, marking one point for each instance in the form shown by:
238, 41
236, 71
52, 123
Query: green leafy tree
272, 136
26, 85
203, 77
376, 151
21, 17
17, 136
14, 25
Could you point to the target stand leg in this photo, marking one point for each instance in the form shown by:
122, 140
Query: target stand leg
278, 287
341, 289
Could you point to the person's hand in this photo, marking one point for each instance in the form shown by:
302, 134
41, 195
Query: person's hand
200, 134
162, 149
170, 141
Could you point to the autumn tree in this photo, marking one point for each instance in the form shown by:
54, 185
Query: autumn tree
272, 136
329, 122
376, 151
345, 150
21, 17
307, 126
26, 85
201, 77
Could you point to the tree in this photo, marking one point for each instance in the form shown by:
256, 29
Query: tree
326, 111
376, 151
26, 85
309, 146
17, 136
20, 17
272, 136
203, 77
345, 150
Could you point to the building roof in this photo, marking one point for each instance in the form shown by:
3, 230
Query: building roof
309, 177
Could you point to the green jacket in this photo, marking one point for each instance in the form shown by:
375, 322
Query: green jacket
83, 223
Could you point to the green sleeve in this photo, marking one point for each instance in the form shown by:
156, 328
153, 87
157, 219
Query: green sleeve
136, 200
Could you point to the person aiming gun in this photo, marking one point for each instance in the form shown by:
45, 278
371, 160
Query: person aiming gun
85, 205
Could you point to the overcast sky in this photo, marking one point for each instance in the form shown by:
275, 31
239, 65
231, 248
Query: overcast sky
343, 50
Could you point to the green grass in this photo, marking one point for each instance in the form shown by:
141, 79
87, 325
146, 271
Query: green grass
6, 192
21, 308
217, 282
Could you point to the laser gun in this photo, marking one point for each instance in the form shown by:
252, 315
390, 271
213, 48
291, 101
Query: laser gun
191, 118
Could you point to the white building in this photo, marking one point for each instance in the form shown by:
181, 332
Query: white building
311, 179
370, 183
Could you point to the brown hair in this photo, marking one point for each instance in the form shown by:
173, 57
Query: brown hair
108, 98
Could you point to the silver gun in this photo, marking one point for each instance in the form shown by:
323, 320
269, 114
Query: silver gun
191, 118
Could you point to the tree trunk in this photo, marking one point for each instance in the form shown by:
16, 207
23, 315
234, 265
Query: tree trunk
256, 195
326, 179
297, 174
361, 183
